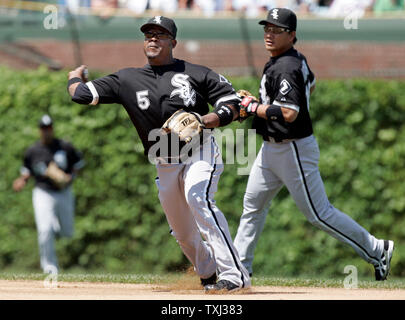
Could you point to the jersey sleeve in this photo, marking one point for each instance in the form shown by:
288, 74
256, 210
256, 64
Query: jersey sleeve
75, 157
101, 90
288, 90
219, 90
26, 168
311, 78
78, 161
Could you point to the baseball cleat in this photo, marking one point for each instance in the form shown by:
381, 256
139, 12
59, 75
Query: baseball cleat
383, 268
221, 285
210, 280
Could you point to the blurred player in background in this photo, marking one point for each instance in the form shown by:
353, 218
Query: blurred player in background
53, 163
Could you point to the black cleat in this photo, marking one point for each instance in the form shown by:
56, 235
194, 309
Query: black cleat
210, 280
383, 268
221, 285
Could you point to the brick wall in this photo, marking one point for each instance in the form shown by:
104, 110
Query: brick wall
326, 58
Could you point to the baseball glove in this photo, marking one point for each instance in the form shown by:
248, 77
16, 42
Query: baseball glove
57, 176
248, 104
186, 125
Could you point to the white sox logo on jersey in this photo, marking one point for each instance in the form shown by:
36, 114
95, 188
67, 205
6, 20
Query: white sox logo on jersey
223, 79
184, 89
285, 87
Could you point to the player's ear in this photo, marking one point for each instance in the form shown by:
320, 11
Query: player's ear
292, 35
174, 43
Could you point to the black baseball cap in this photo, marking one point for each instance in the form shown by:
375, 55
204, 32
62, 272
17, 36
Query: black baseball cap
164, 22
281, 17
45, 121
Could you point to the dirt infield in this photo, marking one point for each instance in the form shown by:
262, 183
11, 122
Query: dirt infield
40, 290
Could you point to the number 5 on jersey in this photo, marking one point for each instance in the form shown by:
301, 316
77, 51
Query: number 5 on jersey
142, 99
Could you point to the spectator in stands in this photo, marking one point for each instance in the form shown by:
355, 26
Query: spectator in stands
266, 5
344, 8
253, 8
207, 7
307, 6
73, 8
137, 6
71, 5
383, 6
185, 4
166, 6
104, 9
324, 3
226, 5
319, 7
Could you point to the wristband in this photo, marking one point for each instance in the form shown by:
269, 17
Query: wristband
274, 113
225, 115
74, 80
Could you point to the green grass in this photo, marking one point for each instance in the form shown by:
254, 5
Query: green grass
312, 281
308, 281
93, 277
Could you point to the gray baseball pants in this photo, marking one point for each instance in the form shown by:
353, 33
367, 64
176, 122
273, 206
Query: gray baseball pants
295, 165
54, 216
186, 192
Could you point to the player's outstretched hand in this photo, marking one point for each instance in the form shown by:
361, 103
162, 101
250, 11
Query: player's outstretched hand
19, 184
79, 72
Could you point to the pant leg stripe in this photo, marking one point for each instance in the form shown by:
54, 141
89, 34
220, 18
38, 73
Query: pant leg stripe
308, 196
218, 225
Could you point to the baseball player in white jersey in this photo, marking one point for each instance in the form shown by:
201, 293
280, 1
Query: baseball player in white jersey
289, 155
151, 95
53, 163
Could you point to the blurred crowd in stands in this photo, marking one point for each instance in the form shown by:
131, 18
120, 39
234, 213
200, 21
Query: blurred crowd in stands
252, 8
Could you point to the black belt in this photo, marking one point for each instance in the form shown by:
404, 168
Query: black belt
274, 140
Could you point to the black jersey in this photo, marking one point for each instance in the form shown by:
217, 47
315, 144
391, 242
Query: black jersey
151, 94
38, 156
286, 82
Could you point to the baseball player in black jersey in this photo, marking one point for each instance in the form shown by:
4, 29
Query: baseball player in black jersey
150, 95
53, 163
289, 155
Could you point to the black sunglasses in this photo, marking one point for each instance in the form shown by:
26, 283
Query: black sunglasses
275, 30
157, 35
